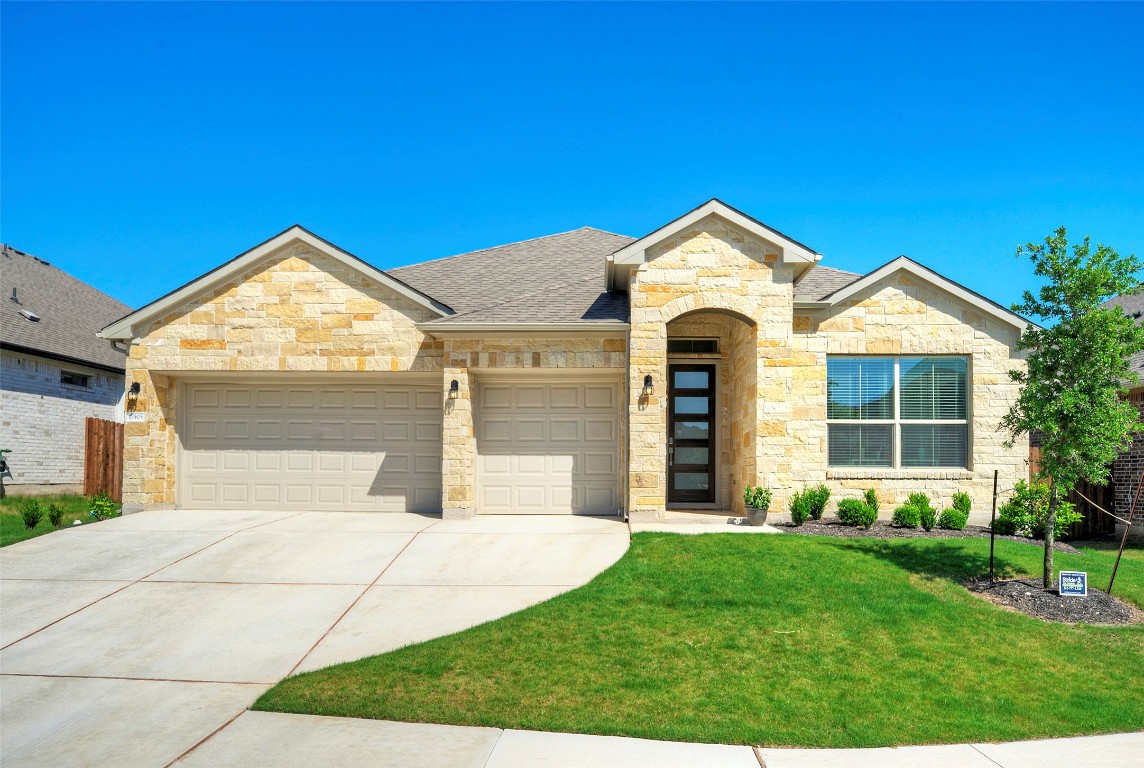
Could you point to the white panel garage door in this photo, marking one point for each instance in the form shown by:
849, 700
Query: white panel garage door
546, 448
311, 446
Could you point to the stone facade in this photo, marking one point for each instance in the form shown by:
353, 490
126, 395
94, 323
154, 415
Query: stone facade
42, 420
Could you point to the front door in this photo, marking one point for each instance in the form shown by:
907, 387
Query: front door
691, 434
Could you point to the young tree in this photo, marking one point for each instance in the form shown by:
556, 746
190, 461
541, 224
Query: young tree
1077, 366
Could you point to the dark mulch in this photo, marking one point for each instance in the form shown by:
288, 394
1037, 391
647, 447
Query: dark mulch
883, 530
1029, 597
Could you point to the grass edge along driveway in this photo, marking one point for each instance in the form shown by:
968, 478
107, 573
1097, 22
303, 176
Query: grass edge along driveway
769, 640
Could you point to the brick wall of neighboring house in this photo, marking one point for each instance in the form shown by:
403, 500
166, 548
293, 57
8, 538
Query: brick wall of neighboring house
42, 420
1126, 473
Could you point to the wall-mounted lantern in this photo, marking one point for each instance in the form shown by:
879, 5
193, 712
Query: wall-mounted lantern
647, 387
133, 392
454, 390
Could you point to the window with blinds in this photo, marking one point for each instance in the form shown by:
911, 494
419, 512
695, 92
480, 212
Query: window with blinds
897, 411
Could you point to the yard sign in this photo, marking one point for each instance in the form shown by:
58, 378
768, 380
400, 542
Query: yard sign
1074, 583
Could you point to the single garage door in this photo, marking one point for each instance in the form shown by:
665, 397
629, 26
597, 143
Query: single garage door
311, 446
548, 448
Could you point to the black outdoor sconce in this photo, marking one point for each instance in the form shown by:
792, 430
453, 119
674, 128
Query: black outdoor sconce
454, 390
647, 388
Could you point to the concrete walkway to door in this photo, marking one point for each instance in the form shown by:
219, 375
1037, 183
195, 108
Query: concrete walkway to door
130, 642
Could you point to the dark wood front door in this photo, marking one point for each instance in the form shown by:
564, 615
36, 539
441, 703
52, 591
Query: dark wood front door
691, 434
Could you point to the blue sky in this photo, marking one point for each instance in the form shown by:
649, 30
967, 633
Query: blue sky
143, 144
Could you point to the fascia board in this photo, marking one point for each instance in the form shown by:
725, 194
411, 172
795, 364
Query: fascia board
905, 264
124, 327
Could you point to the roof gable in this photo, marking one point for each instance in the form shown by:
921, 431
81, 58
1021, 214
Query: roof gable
126, 327
906, 264
70, 312
790, 251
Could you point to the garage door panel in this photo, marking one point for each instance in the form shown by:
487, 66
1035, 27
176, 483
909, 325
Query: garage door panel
324, 447
539, 444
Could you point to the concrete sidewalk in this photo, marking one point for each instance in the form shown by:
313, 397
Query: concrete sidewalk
258, 739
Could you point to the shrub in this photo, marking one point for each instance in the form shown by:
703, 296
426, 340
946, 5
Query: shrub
818, 496
871, 498
757, 496
799, 508
32, 512
962, 503
55, 515
855, 512
1028, 508
907, 516
953, 519
103, 506
928, 516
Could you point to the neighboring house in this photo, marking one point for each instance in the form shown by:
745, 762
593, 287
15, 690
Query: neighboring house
1126, 469
54, 371
584, 372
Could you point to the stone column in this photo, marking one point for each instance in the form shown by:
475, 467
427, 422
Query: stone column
647, 417
458, 444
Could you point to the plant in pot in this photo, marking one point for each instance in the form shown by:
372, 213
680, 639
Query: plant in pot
758, 501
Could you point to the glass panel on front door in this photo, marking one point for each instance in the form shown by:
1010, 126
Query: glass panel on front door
691, 434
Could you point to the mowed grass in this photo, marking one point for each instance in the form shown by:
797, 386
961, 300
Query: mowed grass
12, 528
769, 640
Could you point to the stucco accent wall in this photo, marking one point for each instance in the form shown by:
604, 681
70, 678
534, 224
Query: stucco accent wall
904, 316
296, 311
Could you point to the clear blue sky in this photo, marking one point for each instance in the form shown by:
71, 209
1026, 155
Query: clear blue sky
143, 144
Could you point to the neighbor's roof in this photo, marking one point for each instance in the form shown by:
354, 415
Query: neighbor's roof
71, 312
821, 281
1133, 306
557, 278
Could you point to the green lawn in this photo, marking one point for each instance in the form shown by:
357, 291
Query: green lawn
12, 527
776, 640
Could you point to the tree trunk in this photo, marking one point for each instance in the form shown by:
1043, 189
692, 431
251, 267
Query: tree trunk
1050, 530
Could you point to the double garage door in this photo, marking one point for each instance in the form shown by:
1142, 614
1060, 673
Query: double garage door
542, 448
311, 446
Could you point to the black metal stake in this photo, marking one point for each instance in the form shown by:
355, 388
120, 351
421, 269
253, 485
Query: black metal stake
1127, 527
993, 525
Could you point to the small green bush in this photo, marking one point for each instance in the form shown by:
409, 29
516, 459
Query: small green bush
928, 517
818, 496
1028, 509
799, 508
757, 496
855, 512
962, 503
953, 519
871, 499
103, 506
907, 516
55, 515
32, 512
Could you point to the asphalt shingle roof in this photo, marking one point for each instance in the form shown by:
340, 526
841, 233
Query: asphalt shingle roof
71, 312
1133, 306
820, 282
547, 279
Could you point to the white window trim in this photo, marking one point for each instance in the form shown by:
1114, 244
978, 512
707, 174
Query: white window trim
897, 422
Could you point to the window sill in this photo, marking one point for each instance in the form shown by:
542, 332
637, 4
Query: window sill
871, 473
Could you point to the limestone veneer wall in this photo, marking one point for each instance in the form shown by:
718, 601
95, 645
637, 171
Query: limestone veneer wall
464, 361
904, 316
296, 311
711, 266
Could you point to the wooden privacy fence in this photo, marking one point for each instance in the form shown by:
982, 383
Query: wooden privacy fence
1095, 523
103, 458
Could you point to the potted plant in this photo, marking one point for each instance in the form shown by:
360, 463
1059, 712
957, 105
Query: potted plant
758, 501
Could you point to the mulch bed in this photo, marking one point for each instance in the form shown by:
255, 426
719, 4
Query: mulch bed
883, 530
1029, 597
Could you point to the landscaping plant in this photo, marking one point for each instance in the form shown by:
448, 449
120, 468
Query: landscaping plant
856, 512
757, 496
55, 514
103, 506
871, 499
1027, 512
956, 517
799, 508
916, 511
1077, 368
31, 511
817, 498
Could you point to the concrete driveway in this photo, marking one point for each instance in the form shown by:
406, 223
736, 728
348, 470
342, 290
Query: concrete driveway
132, 641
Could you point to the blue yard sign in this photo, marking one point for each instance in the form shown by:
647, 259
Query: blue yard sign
1074, 583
